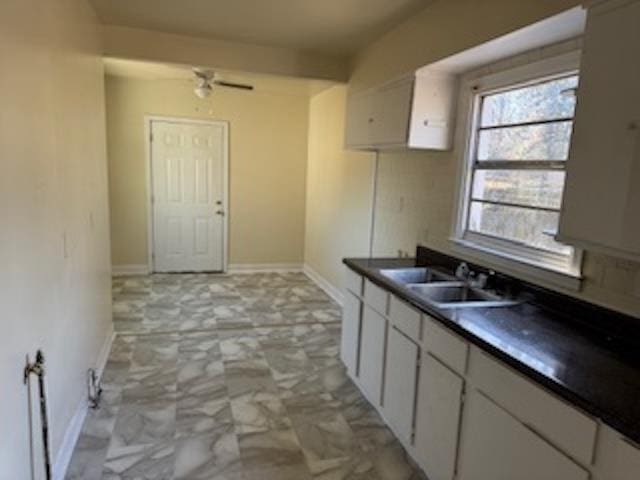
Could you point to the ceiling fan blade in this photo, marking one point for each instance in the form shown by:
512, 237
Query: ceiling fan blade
241, 86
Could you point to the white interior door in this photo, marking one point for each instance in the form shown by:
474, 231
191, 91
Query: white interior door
188, 198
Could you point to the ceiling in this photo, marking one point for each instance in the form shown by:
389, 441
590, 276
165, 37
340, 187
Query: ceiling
336, 27
261, 83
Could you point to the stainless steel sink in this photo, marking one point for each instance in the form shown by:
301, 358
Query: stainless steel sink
416, 275
457, 295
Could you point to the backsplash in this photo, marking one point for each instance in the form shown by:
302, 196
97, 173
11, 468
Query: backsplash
414, 205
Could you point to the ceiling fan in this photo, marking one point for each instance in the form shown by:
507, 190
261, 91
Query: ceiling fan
206, 79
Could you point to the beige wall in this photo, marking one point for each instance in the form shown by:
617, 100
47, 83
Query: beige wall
140, 44
54, 241
268, 149
416, 190
443, 28
339, 190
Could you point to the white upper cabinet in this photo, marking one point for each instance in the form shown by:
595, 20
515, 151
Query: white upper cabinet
601, 203
413, 112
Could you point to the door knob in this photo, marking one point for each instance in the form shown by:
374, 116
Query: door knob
220, 212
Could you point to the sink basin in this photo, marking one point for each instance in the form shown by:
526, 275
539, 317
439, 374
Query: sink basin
457, 295
416, 275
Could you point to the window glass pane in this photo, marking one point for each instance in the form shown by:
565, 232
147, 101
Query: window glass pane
543, 101
517, 224
548, 141
539, 188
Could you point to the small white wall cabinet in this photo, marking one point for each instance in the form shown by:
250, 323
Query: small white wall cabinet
400, 385
350, 339
412, 112
602, 198
438, 405
372, 349
496, 446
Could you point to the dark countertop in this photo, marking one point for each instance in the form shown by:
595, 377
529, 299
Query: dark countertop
598, 373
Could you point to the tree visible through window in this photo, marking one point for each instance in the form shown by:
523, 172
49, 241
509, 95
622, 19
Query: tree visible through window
521, 142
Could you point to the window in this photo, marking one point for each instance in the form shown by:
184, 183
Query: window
518, 145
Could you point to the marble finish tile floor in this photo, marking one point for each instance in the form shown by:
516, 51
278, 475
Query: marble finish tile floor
231, 378
170, 302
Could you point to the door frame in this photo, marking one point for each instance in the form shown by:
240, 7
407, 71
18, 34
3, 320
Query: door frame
148, 121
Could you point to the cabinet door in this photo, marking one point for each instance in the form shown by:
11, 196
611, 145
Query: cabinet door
350, 340
400, 385
437, 419
616, 458
391, 112
372, 348
602, 198
495, 446
359, 120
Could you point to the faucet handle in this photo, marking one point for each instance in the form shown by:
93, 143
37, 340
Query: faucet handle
463, 271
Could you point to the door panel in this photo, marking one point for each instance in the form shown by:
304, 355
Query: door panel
495, 446
187, 169
372, 347
350, 341
400, 385
437, 418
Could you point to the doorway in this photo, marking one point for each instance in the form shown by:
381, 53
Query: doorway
188, 179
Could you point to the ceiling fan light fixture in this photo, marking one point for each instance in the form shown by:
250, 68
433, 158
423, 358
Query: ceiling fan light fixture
203, 90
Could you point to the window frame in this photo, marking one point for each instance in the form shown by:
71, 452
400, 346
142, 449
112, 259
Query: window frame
528, 260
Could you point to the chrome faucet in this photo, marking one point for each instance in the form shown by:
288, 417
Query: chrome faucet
463, 272
476, 280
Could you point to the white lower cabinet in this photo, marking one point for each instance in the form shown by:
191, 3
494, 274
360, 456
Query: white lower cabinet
350, 340
616, 458
415, 371
372, 348
496, 446
400, 385
438, 405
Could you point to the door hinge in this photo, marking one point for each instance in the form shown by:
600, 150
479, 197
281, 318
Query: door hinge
151, 136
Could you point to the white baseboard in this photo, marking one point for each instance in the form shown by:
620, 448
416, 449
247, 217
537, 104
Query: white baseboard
133, 269
264, 267
330, 289
71, 435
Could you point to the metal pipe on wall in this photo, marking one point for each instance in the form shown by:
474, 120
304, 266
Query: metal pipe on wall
37, 368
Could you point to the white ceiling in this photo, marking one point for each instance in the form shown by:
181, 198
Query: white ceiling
261, 83
338, 27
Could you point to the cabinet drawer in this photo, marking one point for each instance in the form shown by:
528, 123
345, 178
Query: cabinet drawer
561, 424
376, 297
353, 282
445, 346
405, 318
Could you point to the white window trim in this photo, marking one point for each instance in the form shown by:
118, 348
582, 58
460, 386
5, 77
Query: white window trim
508, 257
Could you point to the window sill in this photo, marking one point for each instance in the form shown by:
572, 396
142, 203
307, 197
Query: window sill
534, 272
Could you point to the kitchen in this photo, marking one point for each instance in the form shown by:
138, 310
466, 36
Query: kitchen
358, 239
